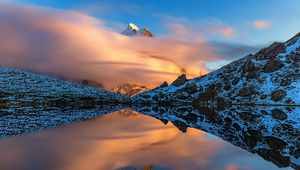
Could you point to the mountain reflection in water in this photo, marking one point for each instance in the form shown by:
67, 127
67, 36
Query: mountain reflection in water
129, 140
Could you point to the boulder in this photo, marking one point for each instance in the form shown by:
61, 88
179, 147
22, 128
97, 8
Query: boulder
272, 65
278, 95
275, 143
271, 52
279, 114
248, 66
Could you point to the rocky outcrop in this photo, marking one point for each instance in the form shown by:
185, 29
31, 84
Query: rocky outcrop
179, 81
271, 76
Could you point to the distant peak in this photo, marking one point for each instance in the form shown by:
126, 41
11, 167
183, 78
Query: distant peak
134, 30
133, 26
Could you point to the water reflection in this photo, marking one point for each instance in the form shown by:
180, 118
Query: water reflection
129, 140
17, 119
271, 132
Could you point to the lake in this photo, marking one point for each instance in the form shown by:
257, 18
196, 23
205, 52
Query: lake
128, 140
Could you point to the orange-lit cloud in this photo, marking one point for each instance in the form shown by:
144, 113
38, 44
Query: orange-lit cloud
76, 46
262, 24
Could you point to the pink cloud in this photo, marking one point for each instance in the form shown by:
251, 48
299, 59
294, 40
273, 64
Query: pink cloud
261, 24
76, 46
226, 31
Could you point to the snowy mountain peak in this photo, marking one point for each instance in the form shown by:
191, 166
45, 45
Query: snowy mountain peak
134, 30
134, 27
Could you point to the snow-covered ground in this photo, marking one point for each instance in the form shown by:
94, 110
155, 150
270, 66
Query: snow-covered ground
21, 86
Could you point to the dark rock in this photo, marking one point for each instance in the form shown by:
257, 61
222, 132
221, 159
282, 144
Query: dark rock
272, 65
252, 138
248, 66
275, 157
191, 88
180, 125
247, 116
263, 96
155, 97
236, 126
227, 86
207, 96
270, 52
294, 57
279, 114
165, 121
182, 96
278, 95
235, 81
255, 73
275, 143
179, 81
245, 92
164, 84
228, 122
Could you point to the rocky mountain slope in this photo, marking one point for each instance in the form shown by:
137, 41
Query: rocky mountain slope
20, 88
271, 77
133, 30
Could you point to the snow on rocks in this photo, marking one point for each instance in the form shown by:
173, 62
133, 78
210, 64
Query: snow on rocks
269, 77
20, 87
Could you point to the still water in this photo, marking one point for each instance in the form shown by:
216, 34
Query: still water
124, 140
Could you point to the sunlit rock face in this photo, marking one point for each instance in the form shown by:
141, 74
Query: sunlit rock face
129, 89
271, 76
254, 129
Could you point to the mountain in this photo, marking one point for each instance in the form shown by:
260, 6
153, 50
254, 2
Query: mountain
133, 30
269, 77
25, 88
129, 89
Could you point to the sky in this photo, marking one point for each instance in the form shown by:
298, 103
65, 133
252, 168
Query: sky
81, 39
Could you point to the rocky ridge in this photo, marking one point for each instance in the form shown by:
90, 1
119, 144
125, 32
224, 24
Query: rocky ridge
269, 77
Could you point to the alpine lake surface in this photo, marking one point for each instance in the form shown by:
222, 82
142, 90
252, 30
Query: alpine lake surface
148, 138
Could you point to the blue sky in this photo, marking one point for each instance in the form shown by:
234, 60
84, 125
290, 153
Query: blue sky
282, 15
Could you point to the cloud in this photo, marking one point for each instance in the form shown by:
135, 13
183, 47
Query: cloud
233, 51
216, 26
261, 24
203, 27
75, 46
